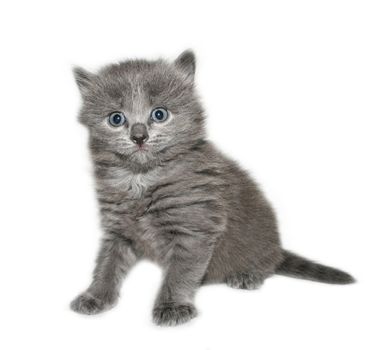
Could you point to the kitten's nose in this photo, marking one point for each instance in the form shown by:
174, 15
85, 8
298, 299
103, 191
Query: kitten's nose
139, 134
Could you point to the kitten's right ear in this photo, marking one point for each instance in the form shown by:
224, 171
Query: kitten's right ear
84, 79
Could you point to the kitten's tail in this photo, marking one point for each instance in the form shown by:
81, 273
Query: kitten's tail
296, 266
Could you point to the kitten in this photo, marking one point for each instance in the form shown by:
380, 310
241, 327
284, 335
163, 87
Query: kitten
167, 194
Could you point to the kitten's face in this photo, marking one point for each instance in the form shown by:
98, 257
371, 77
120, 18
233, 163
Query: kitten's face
143, 111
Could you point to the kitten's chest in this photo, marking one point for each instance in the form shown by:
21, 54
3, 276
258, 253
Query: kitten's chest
138, 195
137, 185
131, 197
123, 183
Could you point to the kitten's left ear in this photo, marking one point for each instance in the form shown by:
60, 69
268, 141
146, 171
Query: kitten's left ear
186, 63
84, 79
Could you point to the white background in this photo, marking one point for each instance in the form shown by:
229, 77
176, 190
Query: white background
294, 91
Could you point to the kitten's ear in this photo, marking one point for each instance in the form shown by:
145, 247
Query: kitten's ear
84, 79
186, 63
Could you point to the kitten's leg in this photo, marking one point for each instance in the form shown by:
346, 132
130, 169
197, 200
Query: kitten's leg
115, 258
245, 280
186, 269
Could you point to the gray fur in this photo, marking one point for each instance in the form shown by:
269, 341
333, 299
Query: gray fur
179, 201
296, 266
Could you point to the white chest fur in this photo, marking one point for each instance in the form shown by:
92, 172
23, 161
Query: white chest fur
138, 184
134, 184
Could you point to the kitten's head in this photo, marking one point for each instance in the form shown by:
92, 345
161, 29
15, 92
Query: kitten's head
142, 111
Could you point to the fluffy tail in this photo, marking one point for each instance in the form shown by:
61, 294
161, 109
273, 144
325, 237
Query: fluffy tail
296, 266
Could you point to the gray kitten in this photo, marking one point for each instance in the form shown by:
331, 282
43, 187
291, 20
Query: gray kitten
167, 194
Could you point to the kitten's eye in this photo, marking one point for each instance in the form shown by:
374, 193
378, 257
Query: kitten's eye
159, 115
116, 119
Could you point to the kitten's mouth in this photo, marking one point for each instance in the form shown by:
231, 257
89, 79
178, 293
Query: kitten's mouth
141, 148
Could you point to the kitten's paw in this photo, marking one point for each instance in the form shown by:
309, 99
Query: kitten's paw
89, 305
245, 280
173, 314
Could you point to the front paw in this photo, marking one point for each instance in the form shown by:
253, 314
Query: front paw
87, 304
173, 314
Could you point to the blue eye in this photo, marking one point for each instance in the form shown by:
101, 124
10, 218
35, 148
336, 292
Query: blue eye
159, 115
116, 119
